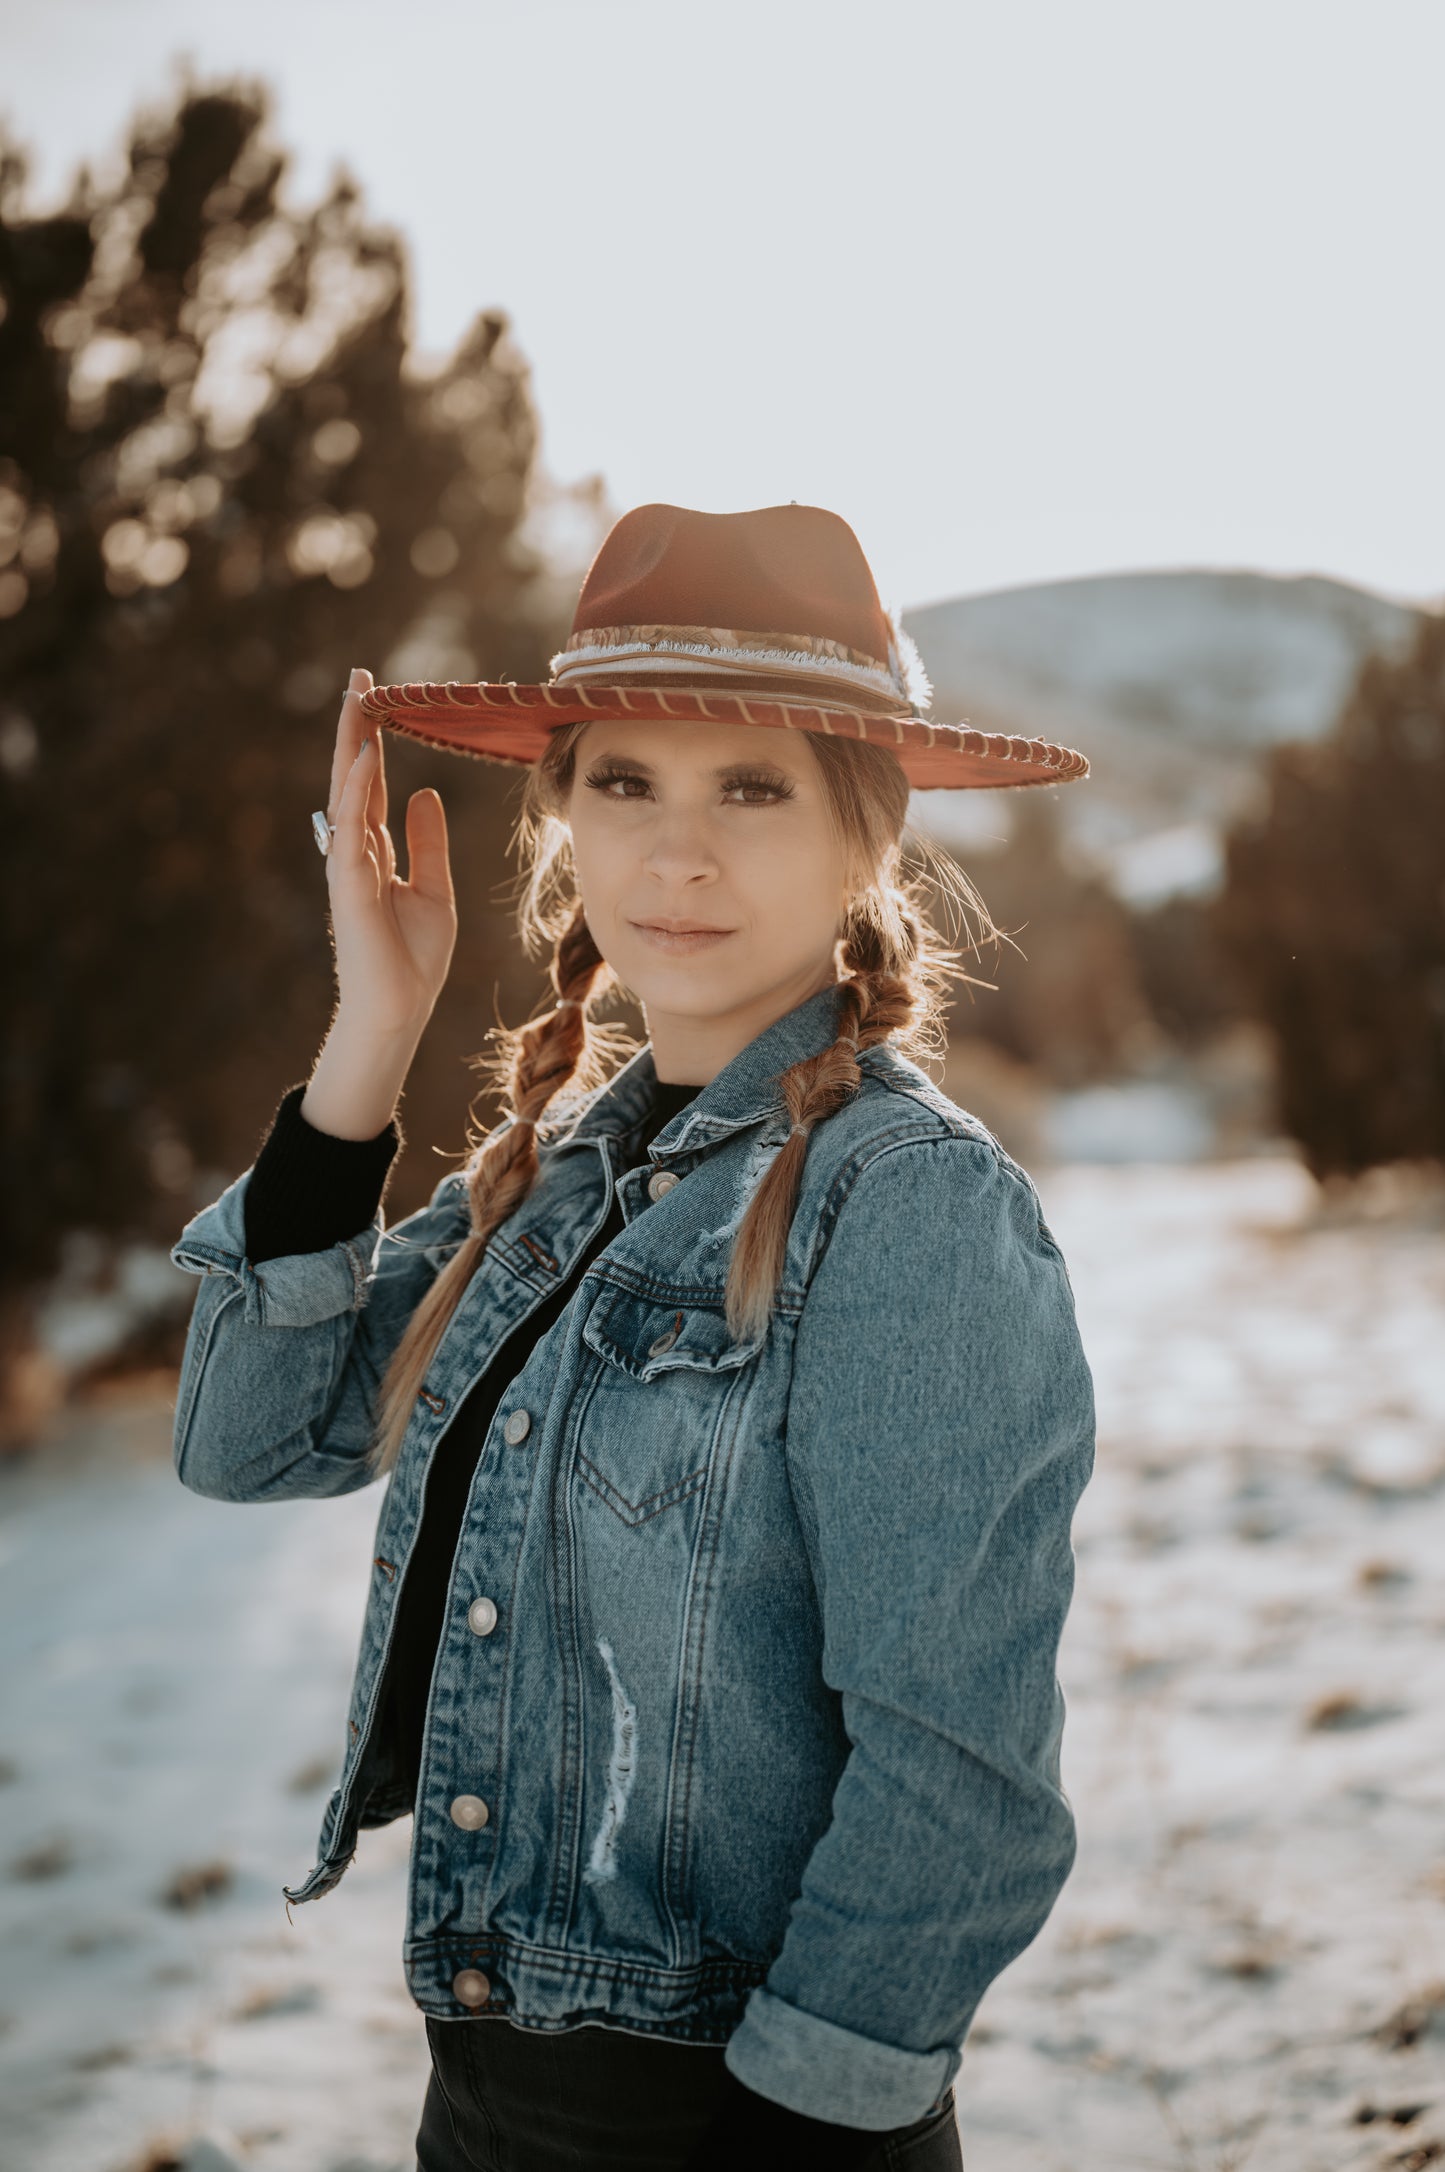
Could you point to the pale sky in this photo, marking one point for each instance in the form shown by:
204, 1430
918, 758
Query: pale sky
1025, 289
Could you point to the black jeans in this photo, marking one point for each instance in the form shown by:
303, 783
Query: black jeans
504, 2099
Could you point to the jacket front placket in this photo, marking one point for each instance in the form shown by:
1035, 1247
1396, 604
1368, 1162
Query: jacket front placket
539, 1245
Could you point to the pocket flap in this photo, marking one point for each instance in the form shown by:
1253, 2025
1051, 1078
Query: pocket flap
646, 1336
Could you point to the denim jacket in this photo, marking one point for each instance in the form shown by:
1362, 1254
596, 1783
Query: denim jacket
745, 1724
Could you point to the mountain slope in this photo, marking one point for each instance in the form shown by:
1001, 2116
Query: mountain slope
1171, 682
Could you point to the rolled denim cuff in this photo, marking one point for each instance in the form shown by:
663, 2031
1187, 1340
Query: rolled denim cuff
297, 1290
825, 2072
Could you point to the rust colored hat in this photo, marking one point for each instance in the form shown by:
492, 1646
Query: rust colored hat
767, 617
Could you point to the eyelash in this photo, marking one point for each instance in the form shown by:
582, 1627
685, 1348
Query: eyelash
598, 780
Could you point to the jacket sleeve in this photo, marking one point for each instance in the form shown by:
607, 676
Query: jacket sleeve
940, 1431
283, 1363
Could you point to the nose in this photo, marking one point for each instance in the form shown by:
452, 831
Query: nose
680, 851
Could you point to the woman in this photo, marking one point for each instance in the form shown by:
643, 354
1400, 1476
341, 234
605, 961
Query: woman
730, 1397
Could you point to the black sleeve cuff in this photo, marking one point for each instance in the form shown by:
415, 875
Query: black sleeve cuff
308, 1189
768, 2137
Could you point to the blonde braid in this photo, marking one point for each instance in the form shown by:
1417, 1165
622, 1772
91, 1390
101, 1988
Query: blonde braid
881, 996
545, 1055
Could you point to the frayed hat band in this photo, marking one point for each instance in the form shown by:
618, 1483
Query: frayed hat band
601, 652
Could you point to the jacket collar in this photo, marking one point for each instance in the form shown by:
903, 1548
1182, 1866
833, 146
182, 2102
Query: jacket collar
743, 1092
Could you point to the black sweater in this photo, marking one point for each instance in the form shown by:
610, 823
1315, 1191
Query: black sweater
308, 1190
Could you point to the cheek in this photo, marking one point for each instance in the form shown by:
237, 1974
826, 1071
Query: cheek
792, 875
600, 859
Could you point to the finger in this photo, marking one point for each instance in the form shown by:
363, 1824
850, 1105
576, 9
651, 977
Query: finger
350, 729
428, 862
377, 807
351, 845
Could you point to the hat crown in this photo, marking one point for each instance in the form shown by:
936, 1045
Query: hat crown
782, 569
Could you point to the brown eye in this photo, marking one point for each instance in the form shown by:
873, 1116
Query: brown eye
757, 791
602, 780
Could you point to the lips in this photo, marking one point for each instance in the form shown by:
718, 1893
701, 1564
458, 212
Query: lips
683, 927
679, 937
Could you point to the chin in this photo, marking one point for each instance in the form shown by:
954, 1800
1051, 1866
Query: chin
688, 990
681, 1000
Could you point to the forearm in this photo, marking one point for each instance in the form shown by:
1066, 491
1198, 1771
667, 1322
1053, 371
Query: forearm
358, 1077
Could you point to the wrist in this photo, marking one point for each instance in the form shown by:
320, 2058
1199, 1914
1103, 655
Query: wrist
357, 1079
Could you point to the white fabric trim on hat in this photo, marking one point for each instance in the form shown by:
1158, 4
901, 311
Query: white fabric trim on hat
595, 661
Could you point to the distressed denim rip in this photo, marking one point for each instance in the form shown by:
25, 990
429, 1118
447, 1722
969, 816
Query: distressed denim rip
763, 1748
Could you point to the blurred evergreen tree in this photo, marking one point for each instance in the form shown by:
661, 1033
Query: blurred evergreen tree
1067, 997
1333, 913
1187, 981
221, 485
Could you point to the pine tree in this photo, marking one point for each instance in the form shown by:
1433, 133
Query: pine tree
1067, 997
221, 485
1333, 913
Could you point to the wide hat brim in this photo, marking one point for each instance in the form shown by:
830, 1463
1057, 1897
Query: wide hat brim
504, 722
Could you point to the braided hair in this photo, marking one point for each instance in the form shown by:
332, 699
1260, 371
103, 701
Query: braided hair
895, 969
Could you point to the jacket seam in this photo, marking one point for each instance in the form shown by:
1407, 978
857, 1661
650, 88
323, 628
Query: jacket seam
834, 1201
700, 1574
565, 1962
843, 1185
359, 1273
195, 1371
572, 1688
670, 1496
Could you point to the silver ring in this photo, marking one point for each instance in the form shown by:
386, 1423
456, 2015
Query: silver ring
322, 830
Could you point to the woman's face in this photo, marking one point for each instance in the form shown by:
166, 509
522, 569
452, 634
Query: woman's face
710, 874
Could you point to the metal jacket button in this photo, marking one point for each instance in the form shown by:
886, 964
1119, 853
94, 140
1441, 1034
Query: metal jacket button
471, 1987
470, 1812
661, 1181
517, 1427
664, 1341
482, 1616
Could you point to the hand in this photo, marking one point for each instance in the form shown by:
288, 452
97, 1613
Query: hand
394, 939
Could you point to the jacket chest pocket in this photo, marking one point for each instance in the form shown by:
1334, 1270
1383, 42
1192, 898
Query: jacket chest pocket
669, 1381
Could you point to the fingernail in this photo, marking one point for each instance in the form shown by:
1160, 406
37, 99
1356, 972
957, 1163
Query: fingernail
353, 684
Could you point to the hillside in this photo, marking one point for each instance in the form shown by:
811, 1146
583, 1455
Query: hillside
1171, 683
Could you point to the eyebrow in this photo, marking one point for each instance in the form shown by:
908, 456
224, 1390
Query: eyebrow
725, 769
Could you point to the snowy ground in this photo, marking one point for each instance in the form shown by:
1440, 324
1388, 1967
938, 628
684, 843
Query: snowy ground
1248, 1965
